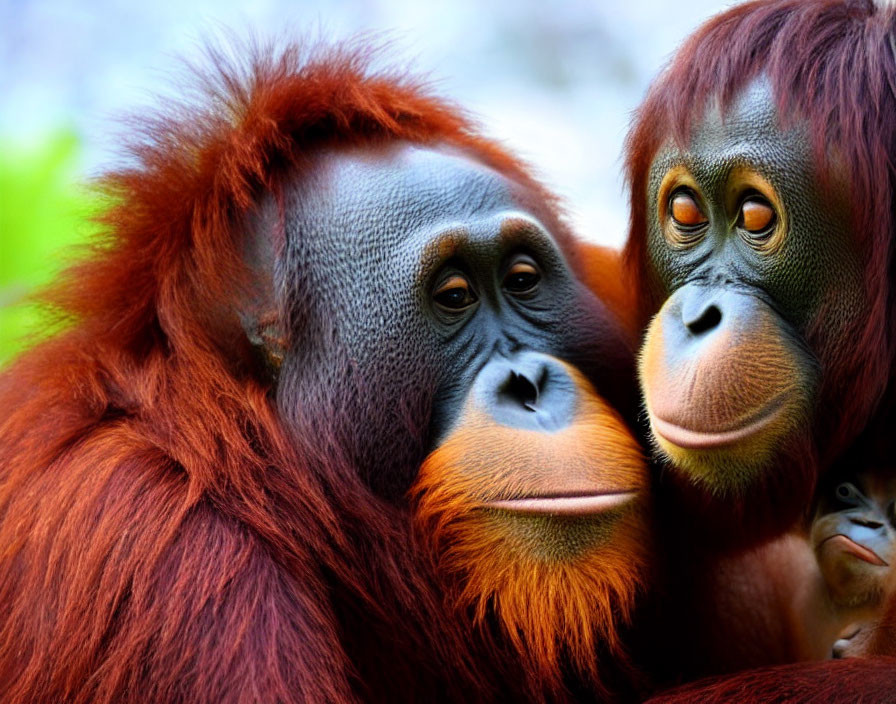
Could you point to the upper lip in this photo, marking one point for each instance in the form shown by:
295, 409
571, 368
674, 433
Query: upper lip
580, 504
706, 440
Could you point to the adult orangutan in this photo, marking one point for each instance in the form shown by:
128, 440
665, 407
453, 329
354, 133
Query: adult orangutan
761, 168
311, 286
762, 171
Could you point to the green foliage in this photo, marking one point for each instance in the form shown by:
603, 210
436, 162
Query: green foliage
43, 211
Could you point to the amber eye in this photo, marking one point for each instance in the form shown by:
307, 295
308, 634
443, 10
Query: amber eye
522, 277
685, 211
756, 216
454, 293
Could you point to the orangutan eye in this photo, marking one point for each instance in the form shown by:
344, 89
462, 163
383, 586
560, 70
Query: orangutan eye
685, 211
757, 216
454, 293
846, 492
522, 277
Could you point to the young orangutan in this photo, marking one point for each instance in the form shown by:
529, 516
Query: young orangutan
810, 594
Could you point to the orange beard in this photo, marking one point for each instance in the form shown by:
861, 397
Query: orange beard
561, 587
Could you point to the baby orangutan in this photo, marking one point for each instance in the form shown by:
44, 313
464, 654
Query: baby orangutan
809, 595
853, 538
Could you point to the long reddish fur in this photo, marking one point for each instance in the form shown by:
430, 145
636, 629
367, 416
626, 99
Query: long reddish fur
830, 63
563, 614
160, 538
852, 681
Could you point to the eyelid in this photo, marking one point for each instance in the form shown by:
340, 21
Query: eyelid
522, 263
761, 202
743, 184
689, 193
522, 260
452, 280
679, 236
676, 178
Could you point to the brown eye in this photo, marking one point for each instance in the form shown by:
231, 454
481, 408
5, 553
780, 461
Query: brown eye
685, 210
522, 277
454, 293
756, 216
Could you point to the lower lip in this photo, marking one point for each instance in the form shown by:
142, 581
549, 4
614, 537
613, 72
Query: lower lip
699, 440
856, 550
573, 506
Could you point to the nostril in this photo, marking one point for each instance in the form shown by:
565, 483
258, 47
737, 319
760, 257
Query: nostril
707, 320
520, 389
867, 523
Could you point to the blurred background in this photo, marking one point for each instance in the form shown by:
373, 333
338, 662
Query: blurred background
557, 83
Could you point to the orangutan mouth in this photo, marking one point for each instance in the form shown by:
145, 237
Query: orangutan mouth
689, 439
856, 549
573, 506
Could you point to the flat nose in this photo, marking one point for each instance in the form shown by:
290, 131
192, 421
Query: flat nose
528, 390
696, 314
523, 388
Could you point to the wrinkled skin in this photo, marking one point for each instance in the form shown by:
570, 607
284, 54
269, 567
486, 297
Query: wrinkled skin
383, 230
756, 259
433, 314
751, 250
369, 437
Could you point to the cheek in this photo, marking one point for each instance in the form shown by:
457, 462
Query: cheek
671, 267
373, 417
818, 275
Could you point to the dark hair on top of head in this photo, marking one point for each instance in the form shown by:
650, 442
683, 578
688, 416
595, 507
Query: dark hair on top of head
831, 63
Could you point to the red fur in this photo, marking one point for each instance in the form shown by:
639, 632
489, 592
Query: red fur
160, 539
562, 599
831, 63
845, 681
883, 635
605, 275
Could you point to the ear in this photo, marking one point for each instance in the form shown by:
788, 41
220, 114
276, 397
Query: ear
265, 334
258, 308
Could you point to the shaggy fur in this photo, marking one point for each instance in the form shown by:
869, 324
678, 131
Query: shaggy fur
831, 66
844, 52
561, 589
164, 537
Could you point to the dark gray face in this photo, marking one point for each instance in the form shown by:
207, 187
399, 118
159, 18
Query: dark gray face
764, 284
406, 272
805, 261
